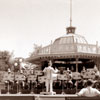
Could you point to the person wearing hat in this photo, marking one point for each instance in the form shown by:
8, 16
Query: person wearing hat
49, 73
89, 91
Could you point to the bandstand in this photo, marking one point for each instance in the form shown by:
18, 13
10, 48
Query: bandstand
70, 51
67, 51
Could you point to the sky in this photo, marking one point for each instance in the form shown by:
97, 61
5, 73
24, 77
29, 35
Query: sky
24, 23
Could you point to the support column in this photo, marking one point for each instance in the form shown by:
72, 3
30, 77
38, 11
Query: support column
76, 64
98, 63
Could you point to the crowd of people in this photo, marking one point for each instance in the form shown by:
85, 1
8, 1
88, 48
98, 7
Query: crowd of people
52, 78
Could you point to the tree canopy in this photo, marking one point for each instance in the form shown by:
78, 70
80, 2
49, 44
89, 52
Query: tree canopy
5, 61
36, 49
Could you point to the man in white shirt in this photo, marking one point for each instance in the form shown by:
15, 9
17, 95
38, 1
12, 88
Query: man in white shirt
50, 73
89, 91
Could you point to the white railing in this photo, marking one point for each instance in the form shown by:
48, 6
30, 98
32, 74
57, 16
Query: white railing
69, 48
86, 48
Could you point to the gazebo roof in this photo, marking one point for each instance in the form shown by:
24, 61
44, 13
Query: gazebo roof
71, 39
70, 45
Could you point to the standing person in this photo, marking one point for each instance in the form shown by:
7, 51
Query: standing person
50, 72
96, 71
89, 91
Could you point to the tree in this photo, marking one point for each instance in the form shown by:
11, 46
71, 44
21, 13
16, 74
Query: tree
5, 63
36, 48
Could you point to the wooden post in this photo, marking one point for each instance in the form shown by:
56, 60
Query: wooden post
76, 71
76, 64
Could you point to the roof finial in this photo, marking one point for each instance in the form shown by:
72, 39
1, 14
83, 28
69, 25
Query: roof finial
70, 29
70, 12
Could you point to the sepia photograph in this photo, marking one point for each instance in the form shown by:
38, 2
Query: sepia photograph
49, 49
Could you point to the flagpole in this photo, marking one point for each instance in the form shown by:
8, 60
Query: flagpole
70, 12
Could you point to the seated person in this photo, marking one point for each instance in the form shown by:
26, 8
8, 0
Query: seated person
68, 82
68, 71
81, 83
83, 71
89, 91
96, 82
57, 84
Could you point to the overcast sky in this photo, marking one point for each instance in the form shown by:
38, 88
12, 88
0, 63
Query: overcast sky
25, 22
